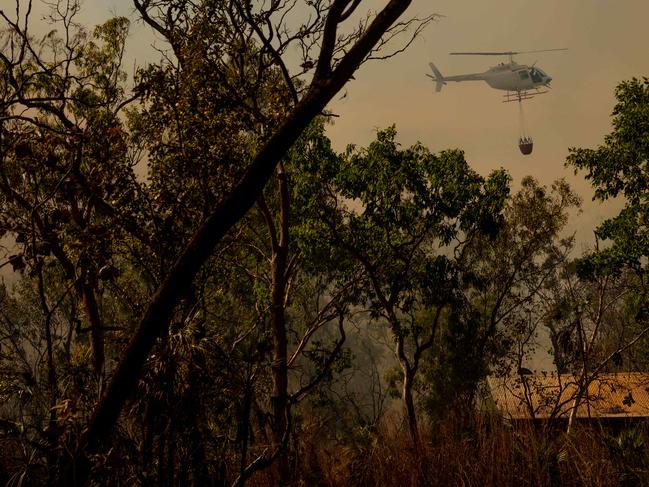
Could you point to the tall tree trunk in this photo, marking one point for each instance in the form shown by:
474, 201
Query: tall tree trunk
193, 400
280, 339
280, 386
96, 330
244, 427
408, 380
406, 391
279, 369
52, 381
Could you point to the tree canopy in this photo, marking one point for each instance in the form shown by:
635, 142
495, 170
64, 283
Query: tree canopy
618, 168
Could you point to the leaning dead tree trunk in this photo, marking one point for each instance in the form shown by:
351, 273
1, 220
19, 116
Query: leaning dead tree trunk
328, 79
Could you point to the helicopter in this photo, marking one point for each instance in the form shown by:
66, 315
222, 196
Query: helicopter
520, 81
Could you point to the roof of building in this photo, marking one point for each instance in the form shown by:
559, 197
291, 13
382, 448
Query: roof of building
550, 395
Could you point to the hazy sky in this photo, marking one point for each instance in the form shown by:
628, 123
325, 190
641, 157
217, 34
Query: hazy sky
608, 42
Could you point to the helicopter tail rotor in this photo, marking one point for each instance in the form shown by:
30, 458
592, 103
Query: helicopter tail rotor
438, 78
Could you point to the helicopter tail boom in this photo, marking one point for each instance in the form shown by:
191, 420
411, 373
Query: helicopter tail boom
441, 80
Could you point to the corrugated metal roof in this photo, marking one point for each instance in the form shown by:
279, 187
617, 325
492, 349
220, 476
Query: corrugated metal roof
551, 395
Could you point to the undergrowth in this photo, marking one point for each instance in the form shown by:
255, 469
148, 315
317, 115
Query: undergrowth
481, 451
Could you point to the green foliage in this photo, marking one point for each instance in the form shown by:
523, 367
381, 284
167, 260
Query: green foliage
619, 168
101, 63
399, 219
628, 449
391, 209
501, 293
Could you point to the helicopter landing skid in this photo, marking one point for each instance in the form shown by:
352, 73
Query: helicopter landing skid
522, 95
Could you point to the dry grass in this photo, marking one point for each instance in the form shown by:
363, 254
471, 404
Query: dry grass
479, 451
482, 452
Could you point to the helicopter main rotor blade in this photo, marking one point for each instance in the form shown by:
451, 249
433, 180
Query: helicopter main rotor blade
482, 53
542, 50
504, 53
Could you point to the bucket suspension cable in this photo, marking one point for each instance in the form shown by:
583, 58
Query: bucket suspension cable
522, 123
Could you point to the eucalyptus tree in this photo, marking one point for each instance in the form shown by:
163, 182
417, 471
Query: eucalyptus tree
266, 309
618, 168
69, 195
404, 216
507, 280
511, 272
66, 163
336, 56
65, 167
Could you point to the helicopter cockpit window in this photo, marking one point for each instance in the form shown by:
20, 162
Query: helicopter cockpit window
523, 74
536, 75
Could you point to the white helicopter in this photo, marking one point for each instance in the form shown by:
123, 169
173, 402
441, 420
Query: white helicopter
520, 81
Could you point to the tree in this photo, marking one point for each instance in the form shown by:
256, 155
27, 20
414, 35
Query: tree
338, 57
619, 168
67, 190
504, 278
192, 164
403, 216
297, 298
58, 174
